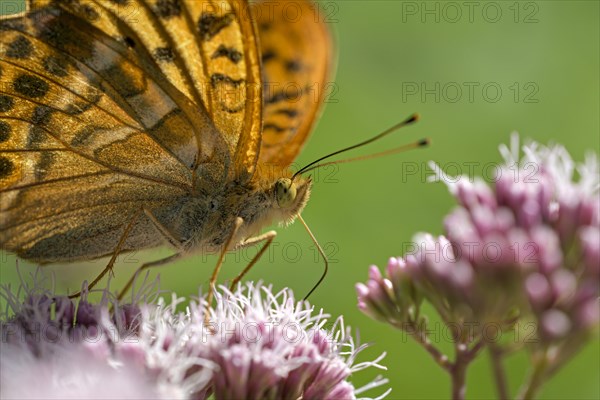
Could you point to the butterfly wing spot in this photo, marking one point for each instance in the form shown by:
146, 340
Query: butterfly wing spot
288, 112
278, 129
264, 26
41, 117
291, 94
11, 172
5, 131
20, 48
56, 66
293, 66
129, 42
6, 167
232, 110
268, 55
168, 8
210, 24
43, 166
30, 86
225, 83
216, 79
164, 54
36, 137
228, 52
79, 107
6, 103
83, 137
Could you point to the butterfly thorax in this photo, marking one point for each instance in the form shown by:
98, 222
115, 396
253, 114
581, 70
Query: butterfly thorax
205, 221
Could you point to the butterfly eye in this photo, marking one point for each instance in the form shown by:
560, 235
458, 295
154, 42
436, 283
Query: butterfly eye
285, 192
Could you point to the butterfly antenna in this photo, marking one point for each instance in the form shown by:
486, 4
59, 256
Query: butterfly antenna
413, 118
400, 149
314, 239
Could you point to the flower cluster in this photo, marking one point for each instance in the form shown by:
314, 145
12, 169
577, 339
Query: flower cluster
527, 249
254, 344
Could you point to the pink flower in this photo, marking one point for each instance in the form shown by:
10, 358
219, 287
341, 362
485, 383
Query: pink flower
528, 245
258, 344
526, 249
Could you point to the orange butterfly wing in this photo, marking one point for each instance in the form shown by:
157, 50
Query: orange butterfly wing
99, 116
206, 49
296, 50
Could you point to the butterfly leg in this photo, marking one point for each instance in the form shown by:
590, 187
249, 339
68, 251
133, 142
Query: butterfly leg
111, 263
213, 279
265, 237
146, 266
164, 231
169, 237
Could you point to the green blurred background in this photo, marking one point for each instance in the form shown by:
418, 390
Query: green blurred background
396, 58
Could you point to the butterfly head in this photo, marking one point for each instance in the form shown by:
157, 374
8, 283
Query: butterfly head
291, 196
285, 192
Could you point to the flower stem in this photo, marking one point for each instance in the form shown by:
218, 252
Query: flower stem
496, 355
456, 369
459, 372
476, 349
535, 379
421, 337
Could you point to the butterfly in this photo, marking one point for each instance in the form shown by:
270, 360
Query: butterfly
131, 124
